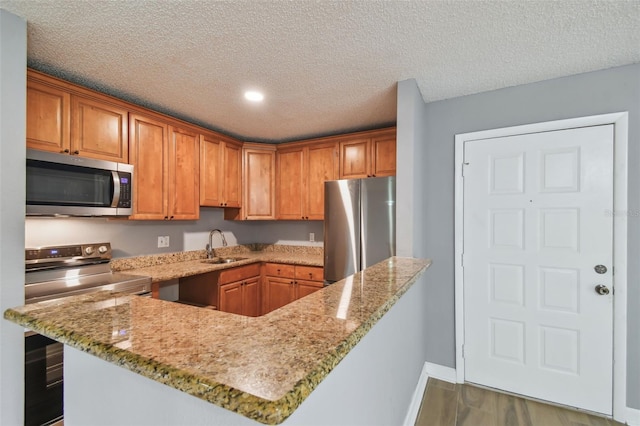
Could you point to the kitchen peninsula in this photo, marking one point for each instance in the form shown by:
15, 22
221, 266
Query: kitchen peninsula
339, 355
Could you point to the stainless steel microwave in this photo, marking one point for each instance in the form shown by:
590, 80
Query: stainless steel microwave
68, 185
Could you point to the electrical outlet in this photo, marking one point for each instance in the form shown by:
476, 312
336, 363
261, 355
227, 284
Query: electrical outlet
163, 241
312, 236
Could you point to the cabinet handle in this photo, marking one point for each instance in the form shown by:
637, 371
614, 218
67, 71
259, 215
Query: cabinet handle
166, 218
66, 151
221, 204
76, 152
171, 218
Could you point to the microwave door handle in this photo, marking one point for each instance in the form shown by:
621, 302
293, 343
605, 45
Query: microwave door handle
116, 189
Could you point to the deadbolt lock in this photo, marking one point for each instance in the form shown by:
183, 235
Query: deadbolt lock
600, 269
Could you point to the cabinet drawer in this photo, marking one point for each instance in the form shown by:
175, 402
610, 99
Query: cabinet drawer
239, 273
311, 273
280, 270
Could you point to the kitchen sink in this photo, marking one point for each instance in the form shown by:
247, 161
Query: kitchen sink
223, 260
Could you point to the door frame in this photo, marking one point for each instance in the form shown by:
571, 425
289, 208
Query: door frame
620, 121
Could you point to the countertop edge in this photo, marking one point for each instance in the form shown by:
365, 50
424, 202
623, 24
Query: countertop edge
269, 412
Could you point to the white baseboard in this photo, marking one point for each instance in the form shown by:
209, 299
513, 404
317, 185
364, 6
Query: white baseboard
416, 399
441, 372
633, 416
436, 371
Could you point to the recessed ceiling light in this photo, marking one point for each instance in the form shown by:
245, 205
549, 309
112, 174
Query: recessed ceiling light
253, 96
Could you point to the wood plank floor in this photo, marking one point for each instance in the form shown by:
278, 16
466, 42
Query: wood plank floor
449, 404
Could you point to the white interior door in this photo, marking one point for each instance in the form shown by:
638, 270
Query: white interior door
537, 221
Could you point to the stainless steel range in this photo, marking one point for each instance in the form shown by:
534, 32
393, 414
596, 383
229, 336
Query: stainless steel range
54, 273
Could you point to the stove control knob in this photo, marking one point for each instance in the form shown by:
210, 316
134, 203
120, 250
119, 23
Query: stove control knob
88, 250
102, 249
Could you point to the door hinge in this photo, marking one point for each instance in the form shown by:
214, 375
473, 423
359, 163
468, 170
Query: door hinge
462, 260
464, 166
463, 351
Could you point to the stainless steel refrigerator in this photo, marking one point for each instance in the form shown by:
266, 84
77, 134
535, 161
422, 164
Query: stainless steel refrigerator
359, 225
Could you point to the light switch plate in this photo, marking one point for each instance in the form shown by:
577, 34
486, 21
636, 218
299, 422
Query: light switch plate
312, 236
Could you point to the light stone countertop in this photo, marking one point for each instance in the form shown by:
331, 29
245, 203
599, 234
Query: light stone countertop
170, 266
262, 368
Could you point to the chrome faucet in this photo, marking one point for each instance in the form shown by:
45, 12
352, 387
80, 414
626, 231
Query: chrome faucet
210, 247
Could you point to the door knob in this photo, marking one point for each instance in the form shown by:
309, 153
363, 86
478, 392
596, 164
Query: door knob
602, 290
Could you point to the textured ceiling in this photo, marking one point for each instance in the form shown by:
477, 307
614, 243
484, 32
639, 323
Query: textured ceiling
324, 66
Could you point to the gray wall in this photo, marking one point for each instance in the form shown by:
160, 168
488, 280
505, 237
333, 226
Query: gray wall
410, 173
134, 238
612, 90
13, 60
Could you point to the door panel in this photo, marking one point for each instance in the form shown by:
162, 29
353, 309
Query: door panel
149, 156
535, 225
184, 190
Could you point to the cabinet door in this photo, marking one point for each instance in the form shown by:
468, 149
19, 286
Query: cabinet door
355, 159
48, 118
290, 184
211, 173
184, 194
384, 154
231, 298
280, 292
259, 194
251, 297
322, 165
232, 179
149, 157
99, 130
305, 288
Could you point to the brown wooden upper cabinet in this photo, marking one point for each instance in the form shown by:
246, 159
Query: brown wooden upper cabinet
301, 173
220, 171
370, 154
65, 122
99, 130
165, 160
48, 117
258, 191
184, 160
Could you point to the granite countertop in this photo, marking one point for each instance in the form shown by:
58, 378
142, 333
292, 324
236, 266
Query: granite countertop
170, 266
262, 368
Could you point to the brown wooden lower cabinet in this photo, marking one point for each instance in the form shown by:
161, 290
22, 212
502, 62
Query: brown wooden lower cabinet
279, 292
199, 290
286, 283
239, 290
250, 290
241, 297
